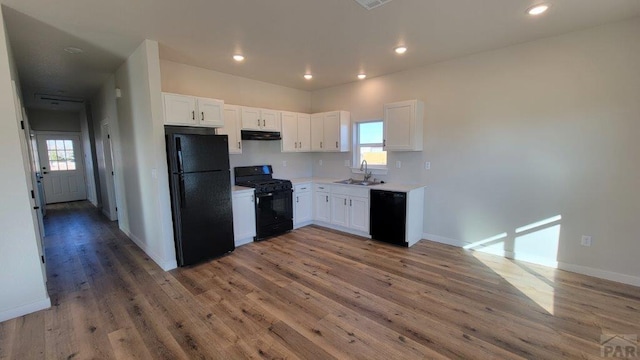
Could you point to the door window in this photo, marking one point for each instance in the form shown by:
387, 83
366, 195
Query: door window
61, 155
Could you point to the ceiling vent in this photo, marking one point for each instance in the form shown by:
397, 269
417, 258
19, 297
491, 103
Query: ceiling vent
51, 99
372, 4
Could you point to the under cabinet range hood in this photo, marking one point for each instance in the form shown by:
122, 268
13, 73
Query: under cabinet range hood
260, 135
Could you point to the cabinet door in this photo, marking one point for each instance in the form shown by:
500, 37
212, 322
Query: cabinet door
303, 207
317, 132
270, 120
340, 210
332, 131
321, 206
304, 132
231, 128
244, 217
403, 126
251, 118
289, 132
179, 110
210, 112
359, 214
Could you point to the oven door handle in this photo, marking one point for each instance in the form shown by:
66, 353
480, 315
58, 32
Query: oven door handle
264, 195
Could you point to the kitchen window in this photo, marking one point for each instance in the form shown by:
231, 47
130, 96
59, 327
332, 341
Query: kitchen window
369, 144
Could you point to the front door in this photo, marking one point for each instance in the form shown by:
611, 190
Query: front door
62, 167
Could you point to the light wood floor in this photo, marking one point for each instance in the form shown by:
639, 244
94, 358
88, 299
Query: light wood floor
310, 294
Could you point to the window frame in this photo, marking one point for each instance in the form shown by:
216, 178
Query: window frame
375, 169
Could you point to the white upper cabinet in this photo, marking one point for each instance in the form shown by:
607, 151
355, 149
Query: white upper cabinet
260, 119
231, 128
192, 111
330, 131
211, 112
403, 125
296, 132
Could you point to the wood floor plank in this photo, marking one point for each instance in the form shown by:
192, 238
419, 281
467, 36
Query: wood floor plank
312, 293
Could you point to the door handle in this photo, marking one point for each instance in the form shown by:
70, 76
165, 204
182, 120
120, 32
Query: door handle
183, 196
179, 151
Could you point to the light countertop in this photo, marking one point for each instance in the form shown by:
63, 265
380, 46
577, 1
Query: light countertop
385, 186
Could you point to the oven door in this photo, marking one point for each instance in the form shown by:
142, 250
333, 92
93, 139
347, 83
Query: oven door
274, 213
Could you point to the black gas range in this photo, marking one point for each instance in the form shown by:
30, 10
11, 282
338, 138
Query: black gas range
274, 206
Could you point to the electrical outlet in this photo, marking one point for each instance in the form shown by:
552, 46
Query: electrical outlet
284, 163
320, 162
347, 163
398, 164
427, 165
586, 240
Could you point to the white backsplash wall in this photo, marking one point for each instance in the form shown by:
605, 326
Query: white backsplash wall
255, 152
333, 166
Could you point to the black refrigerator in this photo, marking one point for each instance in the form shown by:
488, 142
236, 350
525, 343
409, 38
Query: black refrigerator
200, 185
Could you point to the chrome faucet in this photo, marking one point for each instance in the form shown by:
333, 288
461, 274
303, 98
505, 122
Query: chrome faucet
364, 167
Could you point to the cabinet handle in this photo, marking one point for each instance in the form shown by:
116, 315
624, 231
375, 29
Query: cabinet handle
239, 145
295, 145
300, 145
350, 203
345, 202
258, 122
327, 198
336, 144
304, 188
384, 142
202, 115
320, 144
297, 199
264, 123
193, 115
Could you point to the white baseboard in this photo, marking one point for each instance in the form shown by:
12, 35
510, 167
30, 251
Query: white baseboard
25, 309
166, 265
602, 274
246, 241
444, 240
584, 270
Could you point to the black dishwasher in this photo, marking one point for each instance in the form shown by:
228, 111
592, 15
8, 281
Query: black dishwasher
388, 216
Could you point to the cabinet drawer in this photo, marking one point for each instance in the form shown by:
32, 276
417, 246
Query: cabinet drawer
302, 188
321, 187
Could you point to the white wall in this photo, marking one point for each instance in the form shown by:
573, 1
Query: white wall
190, 80
88, 149
50, 120
522, 134
104, 111
141, 158
21, 278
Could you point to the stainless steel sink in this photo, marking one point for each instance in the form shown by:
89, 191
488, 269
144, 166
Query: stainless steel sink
358, 182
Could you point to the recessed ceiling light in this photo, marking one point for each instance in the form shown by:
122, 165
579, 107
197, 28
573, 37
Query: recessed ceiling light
73, 50
401, 50
308, 76
362, 76
238, 57
537, 10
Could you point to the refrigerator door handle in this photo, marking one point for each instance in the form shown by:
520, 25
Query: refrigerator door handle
179, 152
183, 196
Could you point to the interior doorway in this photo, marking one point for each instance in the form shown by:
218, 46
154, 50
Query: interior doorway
62, 167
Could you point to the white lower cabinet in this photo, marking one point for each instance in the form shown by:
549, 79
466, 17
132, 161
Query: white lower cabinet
303, 205
321, 205
244, 216
350, 208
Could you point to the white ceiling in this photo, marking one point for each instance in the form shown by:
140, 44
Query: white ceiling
282, 39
